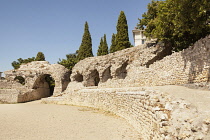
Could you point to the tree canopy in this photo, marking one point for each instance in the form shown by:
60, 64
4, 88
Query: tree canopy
103, 47
85, 49
122, 38
180, 22
16, 64
69, 62
40, 57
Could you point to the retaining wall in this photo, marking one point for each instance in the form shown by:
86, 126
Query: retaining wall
9, 95
155, 115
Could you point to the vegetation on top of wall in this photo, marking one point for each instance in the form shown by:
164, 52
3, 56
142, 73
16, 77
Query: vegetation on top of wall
40, 57
179, 22
16, 64
69, 62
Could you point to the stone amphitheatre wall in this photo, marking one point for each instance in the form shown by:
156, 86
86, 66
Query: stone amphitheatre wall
110, 83
113, 82
36, 86
9, 91
189, 66
155, 115
38, 69
142, 66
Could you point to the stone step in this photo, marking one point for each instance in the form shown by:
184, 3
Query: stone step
52, 99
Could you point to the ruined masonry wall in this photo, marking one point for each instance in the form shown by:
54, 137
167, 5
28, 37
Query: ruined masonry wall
155, 115
4, 84
34, 70
189, 66
143, 67
35, 86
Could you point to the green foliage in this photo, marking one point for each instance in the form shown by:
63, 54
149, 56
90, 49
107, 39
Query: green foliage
103, 47
113, 45
148, 18
40, 57
180, 22
69, 62
20, 79
122, 38
16, 64
85, 49
100, 47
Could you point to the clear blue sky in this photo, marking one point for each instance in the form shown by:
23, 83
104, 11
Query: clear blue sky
55, 27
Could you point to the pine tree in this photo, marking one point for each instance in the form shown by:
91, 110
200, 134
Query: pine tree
103, 47
40, 57
85, 49
113, 46
122, 38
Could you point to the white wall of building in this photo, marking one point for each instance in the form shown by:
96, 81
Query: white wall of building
139, 37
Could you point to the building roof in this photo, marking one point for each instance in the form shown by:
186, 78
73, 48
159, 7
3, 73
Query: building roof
137, 30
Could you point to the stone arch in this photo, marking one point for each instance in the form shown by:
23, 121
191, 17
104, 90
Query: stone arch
78, 77
106, 74
93, 78
42, 86
121, 72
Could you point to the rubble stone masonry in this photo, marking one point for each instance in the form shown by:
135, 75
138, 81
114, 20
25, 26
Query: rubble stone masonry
114, 83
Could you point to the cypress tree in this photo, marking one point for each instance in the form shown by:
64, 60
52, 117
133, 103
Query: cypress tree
40, 57
122, 33
103, 47
85, 49
100, 47
113, 45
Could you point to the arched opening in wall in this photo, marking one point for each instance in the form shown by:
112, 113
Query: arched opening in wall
20, 80
106, 74
78, 77
121, 72
44, 86
51, 83
93, 78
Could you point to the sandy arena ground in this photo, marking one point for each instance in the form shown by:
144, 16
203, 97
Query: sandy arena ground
35, 121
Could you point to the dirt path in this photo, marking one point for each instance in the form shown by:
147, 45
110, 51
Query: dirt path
35, 121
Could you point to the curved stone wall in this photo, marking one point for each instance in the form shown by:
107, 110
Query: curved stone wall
155, 115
